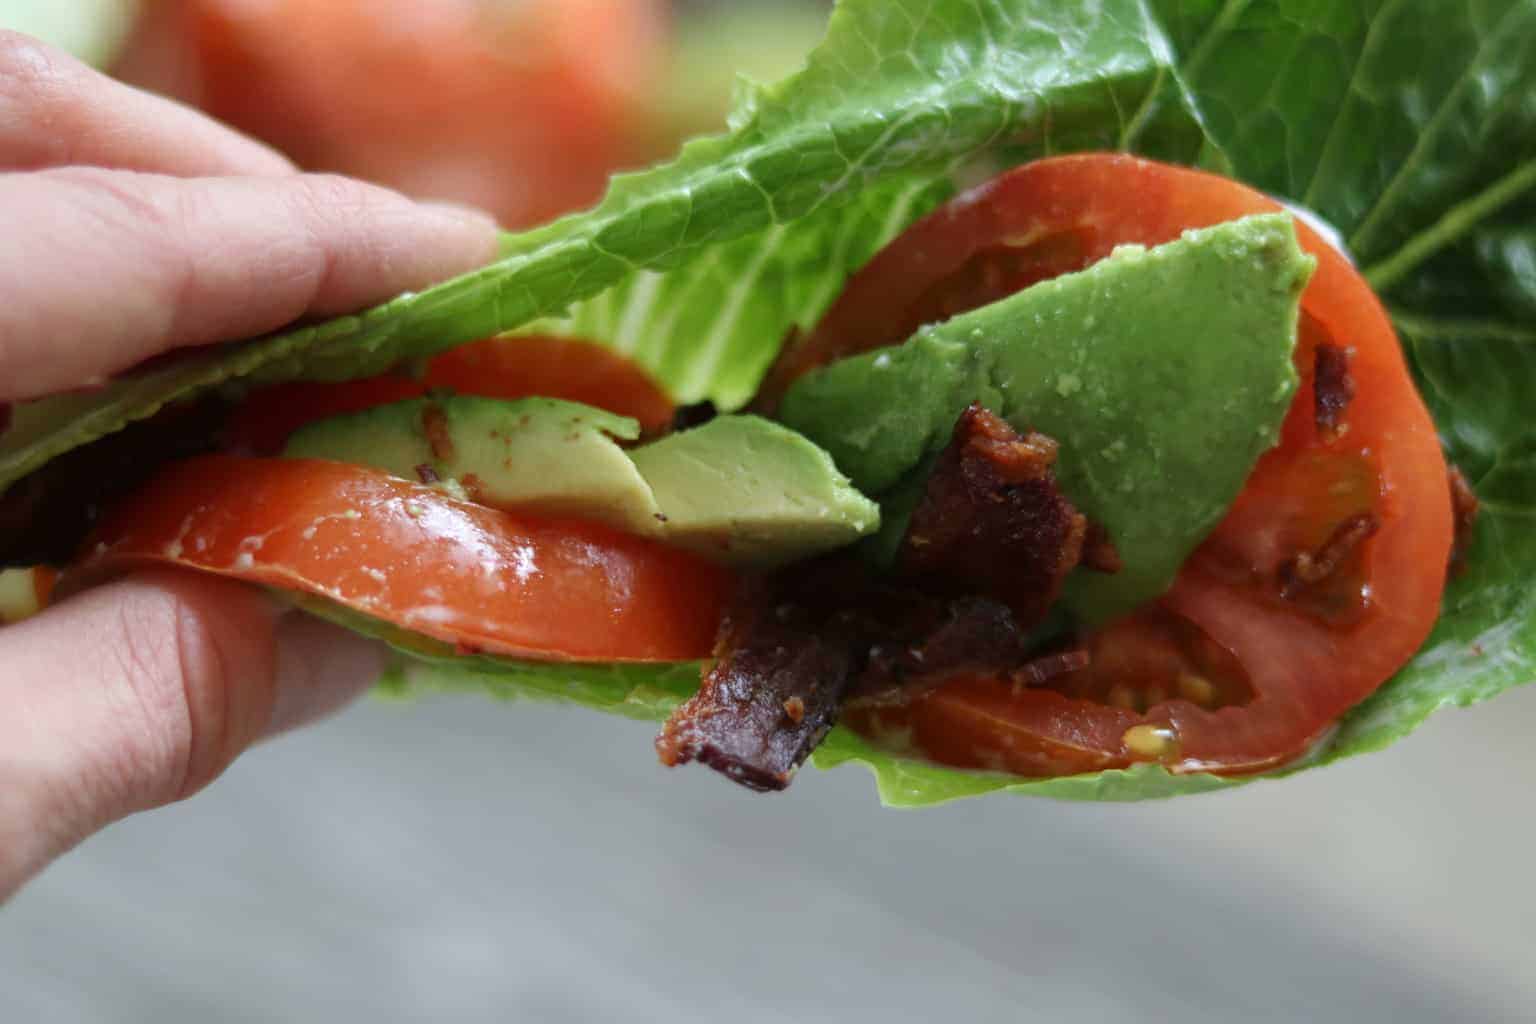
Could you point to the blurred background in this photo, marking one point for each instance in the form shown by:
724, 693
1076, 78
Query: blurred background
451, 859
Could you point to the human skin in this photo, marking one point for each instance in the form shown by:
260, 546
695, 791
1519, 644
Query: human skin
134, 226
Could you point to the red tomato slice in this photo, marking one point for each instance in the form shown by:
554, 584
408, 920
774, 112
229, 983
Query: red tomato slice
1223, 673
515, 367
568, 368
475, 577
522, 107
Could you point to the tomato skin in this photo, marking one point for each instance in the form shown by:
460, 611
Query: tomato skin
479, 578
511, 367
1304, 672
570, 368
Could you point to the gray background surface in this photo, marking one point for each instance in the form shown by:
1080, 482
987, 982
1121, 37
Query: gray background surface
458, 859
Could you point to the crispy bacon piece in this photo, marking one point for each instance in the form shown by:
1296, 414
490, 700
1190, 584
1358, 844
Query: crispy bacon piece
1099, 552
46, 515
780, 672
1047, 667
918, 647
982, 560
1464, 507
993, 521
1333, 389
434, 424
1307, 568
795, 646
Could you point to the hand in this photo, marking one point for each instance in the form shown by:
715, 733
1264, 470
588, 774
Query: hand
134, 226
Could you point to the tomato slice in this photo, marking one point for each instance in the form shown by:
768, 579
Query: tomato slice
481, 579
475, 577
509, 367
523, 107
1226, 672
568, 368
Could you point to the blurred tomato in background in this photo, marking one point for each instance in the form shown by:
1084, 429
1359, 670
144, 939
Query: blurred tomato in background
522, 107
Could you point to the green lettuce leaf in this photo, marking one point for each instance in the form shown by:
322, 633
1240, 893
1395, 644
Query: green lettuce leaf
896, 95
92, 30
1408, 125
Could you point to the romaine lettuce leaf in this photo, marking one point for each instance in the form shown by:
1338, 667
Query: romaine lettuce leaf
897, 94
1408, 125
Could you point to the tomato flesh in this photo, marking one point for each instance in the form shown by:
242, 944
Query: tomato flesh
475, 577
1268, 674
570, 368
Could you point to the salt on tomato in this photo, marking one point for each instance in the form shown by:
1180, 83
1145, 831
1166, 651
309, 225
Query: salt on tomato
510, 367
1229, 671
478, 578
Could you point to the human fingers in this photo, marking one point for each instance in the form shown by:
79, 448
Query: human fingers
56, 111
139, 693
103, 269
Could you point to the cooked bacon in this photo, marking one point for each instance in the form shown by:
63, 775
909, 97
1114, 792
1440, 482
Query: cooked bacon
1464, 509
795, 646
982, 560
434, 424
1043, 669
772, 655
1312, 567
45, 515
993, 521
1333, 389
933, 640
1099, 551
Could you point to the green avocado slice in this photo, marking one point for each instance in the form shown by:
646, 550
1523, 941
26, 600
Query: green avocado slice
739, 489
1163, 373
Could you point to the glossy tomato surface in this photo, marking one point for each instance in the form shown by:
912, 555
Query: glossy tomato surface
1231, 671
522, 107
478, 578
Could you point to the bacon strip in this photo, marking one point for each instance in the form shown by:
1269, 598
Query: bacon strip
1311, 567
46, 515
993, 520
779, 677
983, 558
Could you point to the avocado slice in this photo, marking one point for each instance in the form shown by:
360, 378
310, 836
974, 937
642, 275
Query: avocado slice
746, 490
541, 455
1163, 373
739, 489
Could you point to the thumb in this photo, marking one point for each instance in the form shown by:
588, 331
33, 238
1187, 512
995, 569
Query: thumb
139, 693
